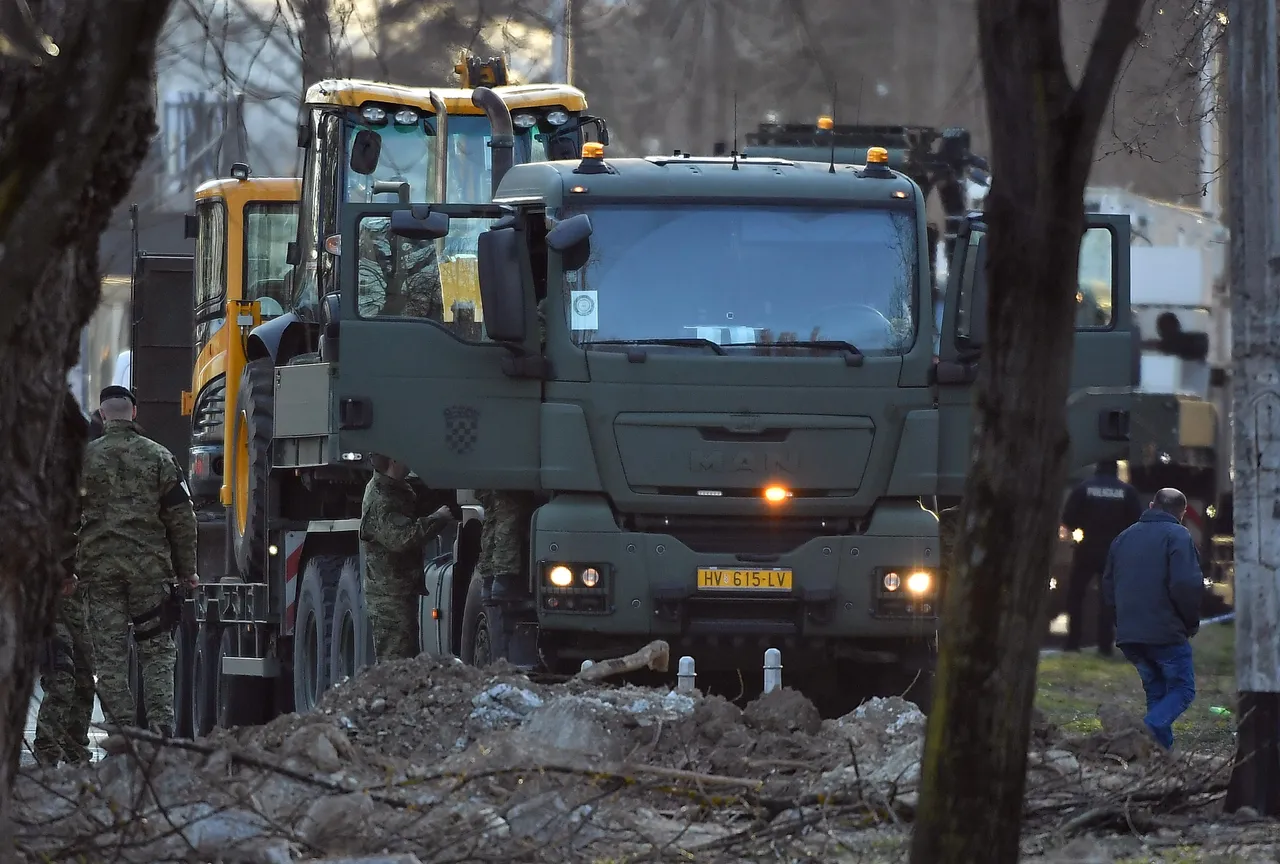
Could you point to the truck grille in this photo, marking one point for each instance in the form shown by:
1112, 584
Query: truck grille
735, 534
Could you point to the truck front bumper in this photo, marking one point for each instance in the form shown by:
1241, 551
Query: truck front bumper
654, 585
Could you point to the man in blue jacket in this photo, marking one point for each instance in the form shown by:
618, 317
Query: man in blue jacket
1153, 582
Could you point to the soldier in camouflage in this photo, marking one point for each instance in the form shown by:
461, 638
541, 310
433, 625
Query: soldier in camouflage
394, 544
137, 537
401, 282
62, 724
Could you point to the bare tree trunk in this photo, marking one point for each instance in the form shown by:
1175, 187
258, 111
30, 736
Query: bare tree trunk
315, 41
72, 134
1043, 132
1254, 186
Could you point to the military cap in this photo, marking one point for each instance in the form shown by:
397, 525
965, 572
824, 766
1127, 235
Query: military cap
115, 391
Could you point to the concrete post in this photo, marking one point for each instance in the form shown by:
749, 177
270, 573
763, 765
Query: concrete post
685, 679
772, 670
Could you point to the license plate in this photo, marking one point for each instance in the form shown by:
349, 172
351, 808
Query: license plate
728, 579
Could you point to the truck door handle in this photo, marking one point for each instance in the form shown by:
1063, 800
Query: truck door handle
1113, 424
355, 413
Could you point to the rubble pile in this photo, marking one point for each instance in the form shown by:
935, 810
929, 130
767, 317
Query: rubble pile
446, 762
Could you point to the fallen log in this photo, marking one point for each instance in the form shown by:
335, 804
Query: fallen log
655, 656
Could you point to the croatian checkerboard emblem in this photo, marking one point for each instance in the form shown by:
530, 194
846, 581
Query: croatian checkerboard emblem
461, 425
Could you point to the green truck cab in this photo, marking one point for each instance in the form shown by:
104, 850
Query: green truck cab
737, 429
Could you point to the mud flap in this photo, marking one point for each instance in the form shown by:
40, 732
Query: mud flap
523, 647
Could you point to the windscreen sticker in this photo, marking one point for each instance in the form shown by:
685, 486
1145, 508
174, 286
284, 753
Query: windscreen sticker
584, 315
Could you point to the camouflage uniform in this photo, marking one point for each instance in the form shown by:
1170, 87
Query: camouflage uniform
414, 286
137, 536
394, 544
62, 725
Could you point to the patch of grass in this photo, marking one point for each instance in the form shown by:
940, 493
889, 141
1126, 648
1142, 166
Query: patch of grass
1070, 687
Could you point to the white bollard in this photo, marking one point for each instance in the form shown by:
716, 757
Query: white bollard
684, 680
586, 664
772, 670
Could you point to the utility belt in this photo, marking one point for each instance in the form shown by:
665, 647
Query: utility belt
166, 614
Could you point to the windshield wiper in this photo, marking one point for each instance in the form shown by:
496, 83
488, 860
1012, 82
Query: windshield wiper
852, 356
689, 342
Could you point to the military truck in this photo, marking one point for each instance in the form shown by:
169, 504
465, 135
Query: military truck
734, 429
937, 160
269, 620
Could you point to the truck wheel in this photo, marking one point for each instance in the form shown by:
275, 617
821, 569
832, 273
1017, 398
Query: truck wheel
483, 639
205, 671
313, 630
241, 700
249, 467
183, 678
350, 637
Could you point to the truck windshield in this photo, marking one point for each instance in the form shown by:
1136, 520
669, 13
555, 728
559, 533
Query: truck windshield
269, 228
747, 275
408, 155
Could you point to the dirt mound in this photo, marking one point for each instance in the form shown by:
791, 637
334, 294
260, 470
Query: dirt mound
487, 763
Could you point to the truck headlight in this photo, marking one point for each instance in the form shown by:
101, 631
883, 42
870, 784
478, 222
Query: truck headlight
919, 582
560, 576
591, 577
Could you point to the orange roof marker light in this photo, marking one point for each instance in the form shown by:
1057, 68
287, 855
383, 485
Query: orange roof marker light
776, 494
593, 150
877, 156
826, 124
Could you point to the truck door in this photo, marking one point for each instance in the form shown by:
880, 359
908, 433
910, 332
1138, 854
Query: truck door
417, 379
1102, 371
161, 344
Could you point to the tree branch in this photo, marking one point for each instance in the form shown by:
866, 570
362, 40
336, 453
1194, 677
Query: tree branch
1116, 34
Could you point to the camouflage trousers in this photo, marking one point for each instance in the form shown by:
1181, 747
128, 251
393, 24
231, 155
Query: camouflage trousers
504, 537
62, 725
113, 604
393, 619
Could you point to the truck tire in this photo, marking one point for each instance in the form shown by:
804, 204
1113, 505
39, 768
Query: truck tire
205, 671
483, 639
241, 699
183, 676
313, 629
249, 468
350, 639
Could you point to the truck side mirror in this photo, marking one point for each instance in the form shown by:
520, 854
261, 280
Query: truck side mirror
366, 147
572, 239
291, 256
419, 223
978, 307
190, 226
502, 294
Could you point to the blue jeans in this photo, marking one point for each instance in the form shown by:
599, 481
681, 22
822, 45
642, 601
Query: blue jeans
1169, 679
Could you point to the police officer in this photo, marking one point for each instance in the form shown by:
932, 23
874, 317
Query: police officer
137, 538
394, 543
1100, 508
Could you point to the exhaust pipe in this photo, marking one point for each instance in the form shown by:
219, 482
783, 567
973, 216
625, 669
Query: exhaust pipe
503, 140
442, 148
